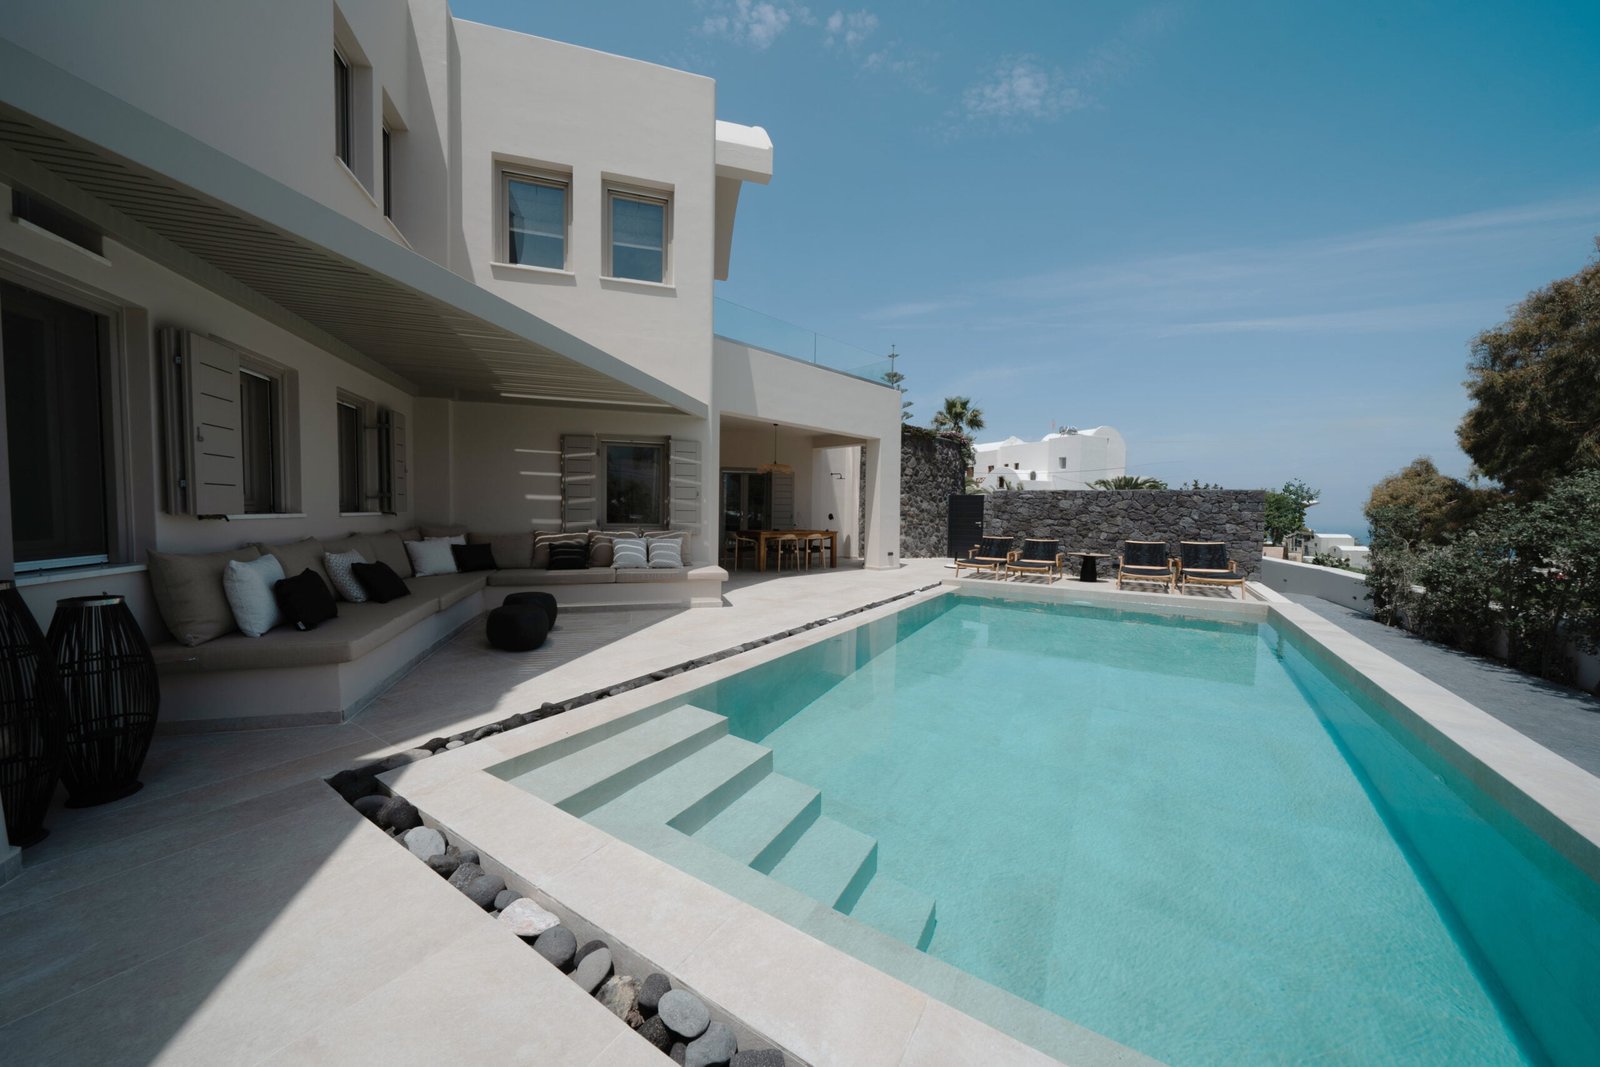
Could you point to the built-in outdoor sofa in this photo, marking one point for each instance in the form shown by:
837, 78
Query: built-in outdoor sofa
289, 677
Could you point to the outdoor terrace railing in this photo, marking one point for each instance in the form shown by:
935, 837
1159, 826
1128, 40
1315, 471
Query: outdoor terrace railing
760, 330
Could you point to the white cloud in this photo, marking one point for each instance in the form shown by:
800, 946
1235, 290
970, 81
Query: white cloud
756, 23
849, 30
1017, 91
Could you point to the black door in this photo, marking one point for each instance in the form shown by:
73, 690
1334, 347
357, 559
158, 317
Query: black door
966, 523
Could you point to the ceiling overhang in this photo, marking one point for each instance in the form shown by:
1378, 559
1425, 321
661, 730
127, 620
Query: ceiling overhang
354, 292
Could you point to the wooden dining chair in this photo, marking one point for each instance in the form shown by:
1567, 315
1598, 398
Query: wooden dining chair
789, 545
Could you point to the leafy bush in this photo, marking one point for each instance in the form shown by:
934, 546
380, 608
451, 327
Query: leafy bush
1323, 559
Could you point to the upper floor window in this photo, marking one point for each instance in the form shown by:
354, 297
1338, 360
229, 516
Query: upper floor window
536, 211
637, 245
343, 118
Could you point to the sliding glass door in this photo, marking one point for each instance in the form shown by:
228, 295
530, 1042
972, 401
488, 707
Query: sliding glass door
746, 501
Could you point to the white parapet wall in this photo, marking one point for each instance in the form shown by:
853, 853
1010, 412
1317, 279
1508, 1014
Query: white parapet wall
1328, 583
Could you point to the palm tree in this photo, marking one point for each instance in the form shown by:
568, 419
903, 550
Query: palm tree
1128, 481
958, 416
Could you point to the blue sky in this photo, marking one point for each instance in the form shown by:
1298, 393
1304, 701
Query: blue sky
1257, 238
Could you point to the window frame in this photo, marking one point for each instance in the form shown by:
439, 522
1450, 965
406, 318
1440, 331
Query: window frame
549, 179
386, 200
638, 194
603, 518
343, 108
274, 443
359, 448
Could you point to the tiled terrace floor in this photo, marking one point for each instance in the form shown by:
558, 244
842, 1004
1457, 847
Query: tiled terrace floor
237, 911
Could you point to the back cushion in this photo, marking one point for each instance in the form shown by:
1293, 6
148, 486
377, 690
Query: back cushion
512, 551
189, 594
298, 556
353, 543
388, 548
443, 531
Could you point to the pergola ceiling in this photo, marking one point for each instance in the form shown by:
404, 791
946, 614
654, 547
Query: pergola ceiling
371, 300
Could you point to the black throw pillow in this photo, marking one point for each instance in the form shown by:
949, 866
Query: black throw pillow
380, 581
473, 557
569, 556
305, 600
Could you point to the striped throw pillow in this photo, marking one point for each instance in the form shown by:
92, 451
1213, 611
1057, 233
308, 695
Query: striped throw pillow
666, 552
629, 552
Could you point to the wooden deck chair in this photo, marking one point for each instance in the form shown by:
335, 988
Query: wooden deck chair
1039, 556
988, 556
1145, 561
1206, 563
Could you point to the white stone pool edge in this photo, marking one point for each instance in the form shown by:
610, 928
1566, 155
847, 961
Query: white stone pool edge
824, 1005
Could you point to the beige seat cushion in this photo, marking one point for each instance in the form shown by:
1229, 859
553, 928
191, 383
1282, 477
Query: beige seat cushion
297, 556
647, 575
188, 593
447, 589
510, 550
391, 549
359, 629
535, 576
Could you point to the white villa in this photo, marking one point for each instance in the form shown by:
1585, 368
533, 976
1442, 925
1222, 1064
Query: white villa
1068, 459
315, 269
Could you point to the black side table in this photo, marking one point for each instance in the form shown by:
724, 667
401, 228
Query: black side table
1089, 570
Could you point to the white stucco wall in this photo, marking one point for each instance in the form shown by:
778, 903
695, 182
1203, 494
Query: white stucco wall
1060, 460
608, 119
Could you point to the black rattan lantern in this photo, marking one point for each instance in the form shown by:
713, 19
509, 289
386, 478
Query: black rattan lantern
31, 724
110, 693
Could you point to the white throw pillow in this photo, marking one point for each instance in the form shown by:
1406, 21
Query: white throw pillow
248, 587
666, 552
338, 565
431, 556
628, 553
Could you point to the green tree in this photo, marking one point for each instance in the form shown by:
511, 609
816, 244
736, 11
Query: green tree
1128, 481
1286, 509
1535, 388
959, 417
897, 381
1437, 503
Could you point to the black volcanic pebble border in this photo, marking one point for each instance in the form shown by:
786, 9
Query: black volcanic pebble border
683, 1028
351, 783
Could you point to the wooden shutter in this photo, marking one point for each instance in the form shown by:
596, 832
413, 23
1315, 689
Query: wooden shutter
783, 501
580, 467
684, 480
393, 476
205, 468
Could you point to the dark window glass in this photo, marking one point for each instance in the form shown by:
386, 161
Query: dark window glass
636, 482
55, 427
638, 238
258, 438
388, 197
349, 457
47, 216
341, 107
538, 223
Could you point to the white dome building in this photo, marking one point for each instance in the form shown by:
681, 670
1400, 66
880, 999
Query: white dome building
1070, 459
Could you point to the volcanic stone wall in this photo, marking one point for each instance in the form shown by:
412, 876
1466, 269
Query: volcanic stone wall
932, 467
1095, 520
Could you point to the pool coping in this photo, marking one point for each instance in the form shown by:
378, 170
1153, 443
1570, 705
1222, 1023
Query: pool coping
824, 1004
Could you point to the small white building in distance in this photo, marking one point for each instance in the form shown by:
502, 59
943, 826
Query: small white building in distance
1069, 459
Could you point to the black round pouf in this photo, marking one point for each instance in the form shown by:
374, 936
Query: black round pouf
518, 627
544, 600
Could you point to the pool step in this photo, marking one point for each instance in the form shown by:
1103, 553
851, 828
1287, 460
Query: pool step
760, 826
596, 774
896, 909
829, 862
695, 788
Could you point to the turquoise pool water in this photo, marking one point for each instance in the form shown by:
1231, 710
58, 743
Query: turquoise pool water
1185, 835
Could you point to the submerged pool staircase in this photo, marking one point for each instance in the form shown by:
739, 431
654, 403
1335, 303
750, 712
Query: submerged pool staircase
678, 785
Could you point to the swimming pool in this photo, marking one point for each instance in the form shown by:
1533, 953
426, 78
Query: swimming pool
1193, 836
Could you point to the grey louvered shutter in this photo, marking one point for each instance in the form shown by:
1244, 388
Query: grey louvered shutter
783, 501
394, 475
580, 467
684, 478
216, 470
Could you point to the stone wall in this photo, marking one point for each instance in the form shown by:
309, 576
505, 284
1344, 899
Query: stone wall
931, 469
1092, 520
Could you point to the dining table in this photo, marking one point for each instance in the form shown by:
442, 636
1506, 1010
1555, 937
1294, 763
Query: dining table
762, 537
